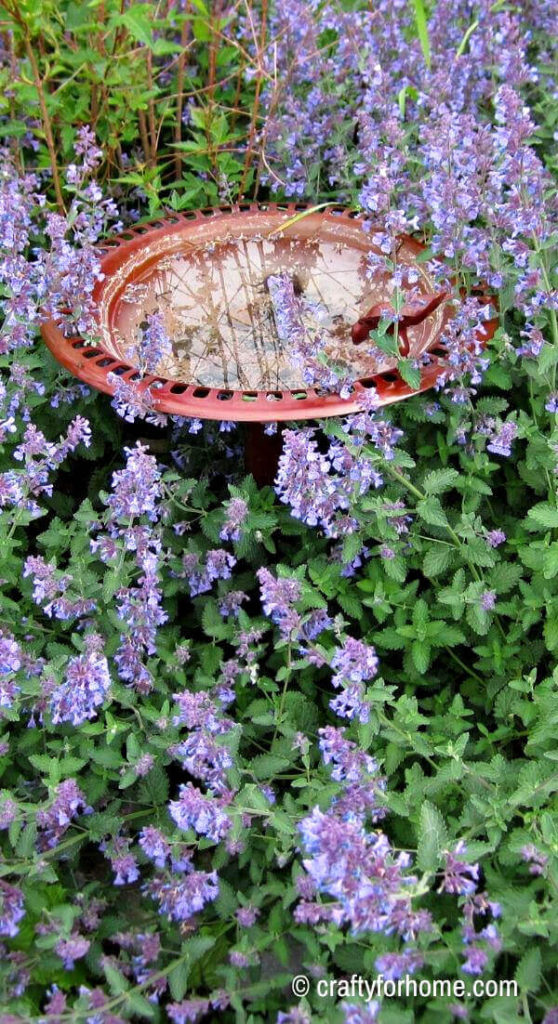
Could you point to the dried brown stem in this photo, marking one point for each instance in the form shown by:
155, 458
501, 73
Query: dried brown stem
144, 136
256, 103
180, 97
151, 113
8, 37
45, 117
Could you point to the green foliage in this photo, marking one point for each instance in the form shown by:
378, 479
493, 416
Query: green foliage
461, 718
104, 64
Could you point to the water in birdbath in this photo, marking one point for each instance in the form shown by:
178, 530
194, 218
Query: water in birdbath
218, 301
218, 309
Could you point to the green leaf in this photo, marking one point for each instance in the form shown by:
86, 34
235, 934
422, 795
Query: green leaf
44, 763
450, 636
201, 30
547, 358
401, 99
528, 973
543, 516
504, 577
432, 512
479, 552
407, 90
212, 620
178, 980
193, 949
420, 614
391, 639
138, 21
440, 480
154, 789
352, 546
116, 981
461, 48
140, 1005
162, 47
432, 837
409, 373
107, 757
112, 582
350, 603
422, 30
421, 655
477, 619
226, 902
265, 766
437, 559
551, 632
395, 568
550, 562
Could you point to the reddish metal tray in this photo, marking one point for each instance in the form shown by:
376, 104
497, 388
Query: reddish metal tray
168, 258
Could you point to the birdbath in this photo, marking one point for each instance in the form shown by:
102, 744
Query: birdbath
211, 276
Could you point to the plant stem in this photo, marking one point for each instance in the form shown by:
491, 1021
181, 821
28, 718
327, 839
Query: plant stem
45, 116
256, 103
180, 96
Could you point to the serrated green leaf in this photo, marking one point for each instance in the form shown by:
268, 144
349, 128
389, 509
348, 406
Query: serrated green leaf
551, 633
504, 577
140, 1005
352, 546
391, 639
350, 603
437, 559
550, 562
440, 480
395, 568
154, 788
107, 757
112, 581
450, 636
409, 373
116, 981
547, 358
479, 553
265, 766
431, 511
420, 653
196, 947
477, 619
226, 902
43, 763
178, 980
138, 21
432, 837
212, 621
542, 516
528, 973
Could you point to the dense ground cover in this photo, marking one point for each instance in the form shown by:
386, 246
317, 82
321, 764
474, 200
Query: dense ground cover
254, 733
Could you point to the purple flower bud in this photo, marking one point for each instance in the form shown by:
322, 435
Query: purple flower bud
246, 916
72, 949
69, 801
11, 909
488, 600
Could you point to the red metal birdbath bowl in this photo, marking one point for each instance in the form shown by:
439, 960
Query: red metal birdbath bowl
204, 272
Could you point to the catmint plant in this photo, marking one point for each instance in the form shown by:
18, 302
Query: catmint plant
248, 734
